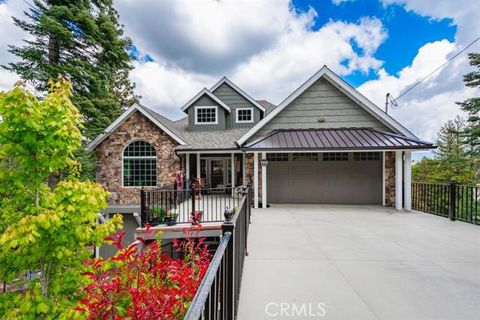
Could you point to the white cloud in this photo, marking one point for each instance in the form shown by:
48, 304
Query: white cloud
205, 36
264, 46
277, 72
164, 88
337, 2
463, 12
9, 35
427, 107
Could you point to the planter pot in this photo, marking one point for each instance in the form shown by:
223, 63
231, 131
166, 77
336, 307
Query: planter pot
154, 221
171, 221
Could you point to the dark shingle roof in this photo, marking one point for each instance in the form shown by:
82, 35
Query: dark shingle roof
172, 125
205, 140
267, 105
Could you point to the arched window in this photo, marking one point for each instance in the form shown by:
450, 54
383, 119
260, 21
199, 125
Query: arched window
139, 165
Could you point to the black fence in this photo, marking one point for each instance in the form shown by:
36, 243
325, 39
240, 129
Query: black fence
218, 294
458, 202
161, 204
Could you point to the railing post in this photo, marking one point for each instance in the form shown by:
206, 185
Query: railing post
452, 201
228, 226
143, 211
193, 196
175, 189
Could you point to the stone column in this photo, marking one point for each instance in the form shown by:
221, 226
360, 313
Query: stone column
389, 178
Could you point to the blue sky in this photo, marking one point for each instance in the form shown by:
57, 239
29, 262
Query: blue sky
407, 30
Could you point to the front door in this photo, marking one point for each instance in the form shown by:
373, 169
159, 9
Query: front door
217, 172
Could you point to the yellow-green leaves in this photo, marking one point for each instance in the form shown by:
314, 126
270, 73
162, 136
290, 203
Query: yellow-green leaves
38, 138
45, 230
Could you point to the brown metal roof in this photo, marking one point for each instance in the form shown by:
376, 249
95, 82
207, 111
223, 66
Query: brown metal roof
335, 139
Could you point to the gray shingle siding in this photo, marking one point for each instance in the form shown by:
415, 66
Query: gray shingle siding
322, 100
235, 100
207, 101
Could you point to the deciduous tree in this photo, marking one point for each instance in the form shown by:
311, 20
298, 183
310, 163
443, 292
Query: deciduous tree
44, 231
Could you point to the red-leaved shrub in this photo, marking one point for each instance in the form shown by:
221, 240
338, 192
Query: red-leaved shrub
146, 283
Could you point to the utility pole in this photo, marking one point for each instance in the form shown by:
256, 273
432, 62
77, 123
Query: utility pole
389, 99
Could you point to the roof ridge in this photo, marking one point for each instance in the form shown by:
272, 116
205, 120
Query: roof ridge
170, 124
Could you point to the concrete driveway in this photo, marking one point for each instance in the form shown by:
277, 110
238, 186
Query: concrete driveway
359, 262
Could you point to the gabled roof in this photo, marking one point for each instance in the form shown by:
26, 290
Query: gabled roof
240, 91
267, 105
158, 120
335, 139
344, 87
207, 92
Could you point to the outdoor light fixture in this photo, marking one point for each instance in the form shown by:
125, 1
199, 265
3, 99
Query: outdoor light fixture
264, 162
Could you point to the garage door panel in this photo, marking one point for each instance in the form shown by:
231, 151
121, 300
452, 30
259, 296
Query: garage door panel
278, 173
303, 181
335, 182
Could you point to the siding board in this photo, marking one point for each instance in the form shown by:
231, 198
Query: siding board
322, 100
206, 101
235, 100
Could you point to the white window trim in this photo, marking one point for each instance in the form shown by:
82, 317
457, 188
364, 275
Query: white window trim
206, 107
243, 121
133, 157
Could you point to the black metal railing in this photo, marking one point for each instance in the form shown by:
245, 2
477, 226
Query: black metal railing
157, 204
458, 202
219, 292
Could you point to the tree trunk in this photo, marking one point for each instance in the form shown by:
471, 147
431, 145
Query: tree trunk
53, 49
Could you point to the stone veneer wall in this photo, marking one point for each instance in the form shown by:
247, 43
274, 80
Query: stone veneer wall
109, 158
249, 172
390, 178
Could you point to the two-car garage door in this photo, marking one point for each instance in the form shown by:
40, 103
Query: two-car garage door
330, 178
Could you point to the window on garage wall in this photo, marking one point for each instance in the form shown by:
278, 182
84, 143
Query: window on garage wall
366, 156
335, 156
305, 156
277, 156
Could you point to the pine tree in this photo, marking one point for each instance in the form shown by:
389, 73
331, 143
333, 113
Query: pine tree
472, 106
453, 153
81, 40
452, 161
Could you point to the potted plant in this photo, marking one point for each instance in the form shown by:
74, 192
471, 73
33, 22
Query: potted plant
196, 217
171, 218
157, 215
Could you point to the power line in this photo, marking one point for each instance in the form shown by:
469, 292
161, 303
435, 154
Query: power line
438, 68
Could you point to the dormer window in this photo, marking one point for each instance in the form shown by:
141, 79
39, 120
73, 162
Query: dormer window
206, 115
244, 115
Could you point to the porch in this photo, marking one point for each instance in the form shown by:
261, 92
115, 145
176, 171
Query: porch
359, 262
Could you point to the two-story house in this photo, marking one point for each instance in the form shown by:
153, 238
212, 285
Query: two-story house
325, 143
